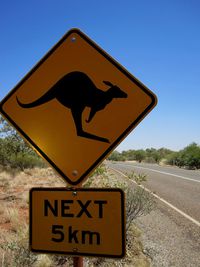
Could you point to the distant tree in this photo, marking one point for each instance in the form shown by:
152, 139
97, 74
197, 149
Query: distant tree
129, 154
15, 144
14, 152
152, 155
173, 158
164, 152
140, 155
188, 157
116, 156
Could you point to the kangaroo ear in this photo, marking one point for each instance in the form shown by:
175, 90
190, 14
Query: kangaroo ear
108, 83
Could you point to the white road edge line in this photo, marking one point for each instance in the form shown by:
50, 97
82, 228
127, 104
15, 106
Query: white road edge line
167, 173
163, 200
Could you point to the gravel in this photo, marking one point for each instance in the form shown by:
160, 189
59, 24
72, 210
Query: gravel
169, 239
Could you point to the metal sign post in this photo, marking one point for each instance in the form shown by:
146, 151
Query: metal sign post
78, 261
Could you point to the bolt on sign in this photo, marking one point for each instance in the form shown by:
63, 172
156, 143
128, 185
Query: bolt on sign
76, 105
84, 222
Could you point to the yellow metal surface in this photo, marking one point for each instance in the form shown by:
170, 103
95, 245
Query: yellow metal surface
83, 222
51, 128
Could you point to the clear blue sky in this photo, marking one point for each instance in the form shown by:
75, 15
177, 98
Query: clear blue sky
157, 41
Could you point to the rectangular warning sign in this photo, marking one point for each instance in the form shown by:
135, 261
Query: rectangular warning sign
85, 222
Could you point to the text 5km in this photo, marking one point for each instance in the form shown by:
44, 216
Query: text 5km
68, 235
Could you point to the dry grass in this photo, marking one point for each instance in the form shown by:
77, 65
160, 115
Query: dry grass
43, 261
14, 243
12, 217
4, 180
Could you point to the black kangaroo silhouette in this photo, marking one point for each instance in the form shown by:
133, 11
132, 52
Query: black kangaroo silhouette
76, 91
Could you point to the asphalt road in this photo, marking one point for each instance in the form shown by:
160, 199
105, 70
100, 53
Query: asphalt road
172, 231
179, 187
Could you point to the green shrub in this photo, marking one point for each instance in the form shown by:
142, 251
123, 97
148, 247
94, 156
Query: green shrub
139, 202
189, 157
26, 161
116, 156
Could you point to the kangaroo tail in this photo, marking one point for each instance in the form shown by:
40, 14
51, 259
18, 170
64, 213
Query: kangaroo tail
42, 100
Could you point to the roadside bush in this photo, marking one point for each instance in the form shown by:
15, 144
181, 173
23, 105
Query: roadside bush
116, 156
139, 202
14, 152
140, 155
18, 159
129, 154
189, 157
100, 170
173, 159
26, 161
17, 250
153, 155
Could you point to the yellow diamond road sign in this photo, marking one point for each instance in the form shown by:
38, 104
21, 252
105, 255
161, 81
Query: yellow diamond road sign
76, 105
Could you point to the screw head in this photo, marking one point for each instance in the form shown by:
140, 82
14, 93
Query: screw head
74, 193
75, 173
73, 39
